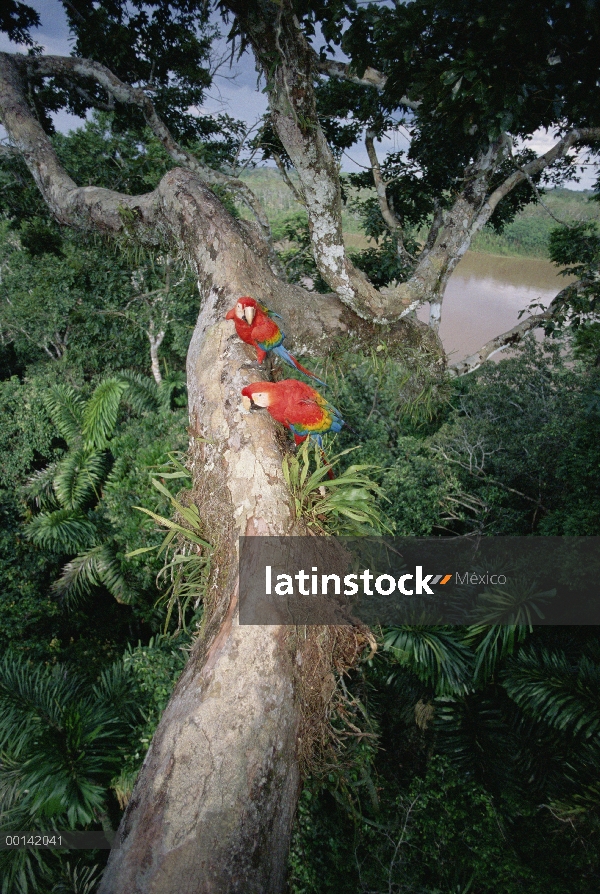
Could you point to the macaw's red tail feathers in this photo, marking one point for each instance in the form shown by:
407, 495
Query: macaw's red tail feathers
288, 358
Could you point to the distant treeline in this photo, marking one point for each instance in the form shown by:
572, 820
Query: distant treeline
526, 236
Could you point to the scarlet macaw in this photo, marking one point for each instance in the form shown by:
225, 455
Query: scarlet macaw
255, 326
297, 406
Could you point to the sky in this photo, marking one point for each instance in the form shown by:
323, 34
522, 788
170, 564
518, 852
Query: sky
236, 91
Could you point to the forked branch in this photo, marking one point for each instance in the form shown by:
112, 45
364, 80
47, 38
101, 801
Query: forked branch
121, 92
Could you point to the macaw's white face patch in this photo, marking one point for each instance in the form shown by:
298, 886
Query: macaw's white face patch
261, 399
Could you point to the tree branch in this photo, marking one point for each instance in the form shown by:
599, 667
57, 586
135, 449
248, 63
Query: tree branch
389, 217
513, 337
559, 150
288, 180
369, 78
128, 95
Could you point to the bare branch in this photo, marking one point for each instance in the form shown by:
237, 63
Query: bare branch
436, 224
389, 217
513, 337
559, 150
369, 78
288, 180
126, 94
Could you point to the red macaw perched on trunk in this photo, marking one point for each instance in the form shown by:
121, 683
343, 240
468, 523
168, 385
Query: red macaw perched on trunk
255, 326
297, 406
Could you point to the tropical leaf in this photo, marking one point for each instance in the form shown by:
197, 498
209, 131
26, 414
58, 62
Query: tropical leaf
78, 879
493, 644
518, 602
346, 504
101, 411
78, 477
438, 657
62, 742
79, 577
551, 688
39, 488
472, 732
66, 407
188, 571
62, 531
109, 569
90, 569
141, 392
30, 696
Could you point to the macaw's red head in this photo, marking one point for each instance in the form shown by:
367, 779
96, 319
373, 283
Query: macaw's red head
245, 309
258, 395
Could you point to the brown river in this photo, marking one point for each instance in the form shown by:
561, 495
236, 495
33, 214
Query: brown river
484, 297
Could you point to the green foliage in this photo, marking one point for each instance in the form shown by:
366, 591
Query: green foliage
345, 505
188, 568
61, 742
72, 519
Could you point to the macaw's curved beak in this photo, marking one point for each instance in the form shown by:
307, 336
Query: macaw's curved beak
230, 315
248, 404
249, 313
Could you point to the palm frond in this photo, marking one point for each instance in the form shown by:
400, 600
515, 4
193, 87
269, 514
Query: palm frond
78, 879
437, 657
65, 407
142, 393
101, 410
79, 577
518, 602
493, 644
30, 696
109, 569
39, 488
78, 477
552, 689
91, 569
115, 689
62, 531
